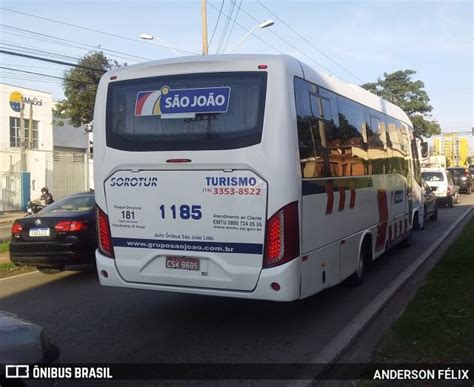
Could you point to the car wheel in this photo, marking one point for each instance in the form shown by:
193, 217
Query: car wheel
50, 270
434, 215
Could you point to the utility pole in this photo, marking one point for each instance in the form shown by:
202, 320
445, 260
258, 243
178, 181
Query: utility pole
22, 138
30, 127
204, 27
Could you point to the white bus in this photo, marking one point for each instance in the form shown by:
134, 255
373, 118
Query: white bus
250, 176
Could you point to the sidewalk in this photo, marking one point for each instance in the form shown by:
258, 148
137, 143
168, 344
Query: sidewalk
8, 217
6, 220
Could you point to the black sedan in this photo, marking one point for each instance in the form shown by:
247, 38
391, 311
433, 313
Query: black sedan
431, 204
462, 177
61, 234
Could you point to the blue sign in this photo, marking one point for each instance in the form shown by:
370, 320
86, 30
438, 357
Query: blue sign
205, 100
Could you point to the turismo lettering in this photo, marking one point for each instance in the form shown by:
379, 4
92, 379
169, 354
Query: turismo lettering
231, 181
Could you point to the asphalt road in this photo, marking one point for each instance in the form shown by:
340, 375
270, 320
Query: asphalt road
94, 324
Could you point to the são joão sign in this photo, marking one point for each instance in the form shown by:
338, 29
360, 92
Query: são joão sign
171, 103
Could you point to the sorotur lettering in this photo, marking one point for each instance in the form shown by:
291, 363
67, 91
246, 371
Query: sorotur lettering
134, 182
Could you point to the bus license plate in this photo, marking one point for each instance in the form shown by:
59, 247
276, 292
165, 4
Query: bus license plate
39, 232
183, 263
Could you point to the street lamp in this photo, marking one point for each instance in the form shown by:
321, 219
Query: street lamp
145, 36
265, 24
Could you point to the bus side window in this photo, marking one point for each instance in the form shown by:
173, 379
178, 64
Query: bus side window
395, 154
351, 132
376, 143
416, 161
312, 130
408, 164
326, 102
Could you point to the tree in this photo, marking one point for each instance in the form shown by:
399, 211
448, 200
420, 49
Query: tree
410, 96
80, 88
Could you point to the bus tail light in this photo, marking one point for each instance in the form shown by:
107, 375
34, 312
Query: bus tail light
282, 242
104, 237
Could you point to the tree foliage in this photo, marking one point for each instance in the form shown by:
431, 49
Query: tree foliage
80, 88
410, 96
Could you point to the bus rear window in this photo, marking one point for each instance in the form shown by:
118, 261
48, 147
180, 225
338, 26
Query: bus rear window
186, 112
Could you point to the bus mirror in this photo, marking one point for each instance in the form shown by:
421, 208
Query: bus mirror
424, 150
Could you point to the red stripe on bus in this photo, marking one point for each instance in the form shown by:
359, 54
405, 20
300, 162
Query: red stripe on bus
342, 197
353, 195
383, 216
330, 194
140, 102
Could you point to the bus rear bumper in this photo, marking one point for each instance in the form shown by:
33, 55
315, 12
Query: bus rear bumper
287, 276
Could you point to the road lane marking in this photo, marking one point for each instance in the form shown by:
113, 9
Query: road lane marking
19, 275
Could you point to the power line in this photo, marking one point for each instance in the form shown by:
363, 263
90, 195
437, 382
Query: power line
48, 60
31, 93
245, 29
226, 25
58, 40
289, 43
33, 50
217, 22
45, 75
29, 66
233, 25
96, 31
309, 42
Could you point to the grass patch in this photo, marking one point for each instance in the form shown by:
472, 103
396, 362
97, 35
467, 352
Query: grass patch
8, 269
437, 325
4, 247
7, 266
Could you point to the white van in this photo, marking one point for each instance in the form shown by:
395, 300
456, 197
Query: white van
442, 184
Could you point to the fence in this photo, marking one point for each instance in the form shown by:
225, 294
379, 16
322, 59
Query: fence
63, 172
10, 191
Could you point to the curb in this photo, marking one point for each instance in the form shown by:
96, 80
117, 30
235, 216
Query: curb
333, 351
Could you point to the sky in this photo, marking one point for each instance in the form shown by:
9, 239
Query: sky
357, 41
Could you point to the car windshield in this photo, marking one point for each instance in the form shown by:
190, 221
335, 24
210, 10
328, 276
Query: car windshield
432, 176
457, 171
76, 203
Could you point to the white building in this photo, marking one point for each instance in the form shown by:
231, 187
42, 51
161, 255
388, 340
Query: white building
37, 108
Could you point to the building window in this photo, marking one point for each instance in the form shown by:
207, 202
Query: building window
32, 143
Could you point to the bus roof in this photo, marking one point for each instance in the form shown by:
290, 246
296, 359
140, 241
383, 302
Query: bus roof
187, 64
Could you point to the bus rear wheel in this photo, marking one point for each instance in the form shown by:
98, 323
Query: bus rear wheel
364, 258
417, 224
